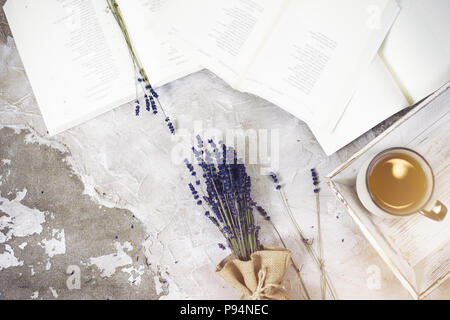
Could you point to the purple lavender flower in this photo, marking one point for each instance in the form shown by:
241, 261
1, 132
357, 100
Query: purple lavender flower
315, 179
170, 125
154, 94
275, 180
263, 213
138, 107
199, 142
153, 104
147, 103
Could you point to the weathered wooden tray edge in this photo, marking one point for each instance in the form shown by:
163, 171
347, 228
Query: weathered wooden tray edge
354, 215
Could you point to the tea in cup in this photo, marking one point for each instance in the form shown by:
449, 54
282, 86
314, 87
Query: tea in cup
399, 182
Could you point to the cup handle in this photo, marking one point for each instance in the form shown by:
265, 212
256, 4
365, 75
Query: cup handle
437, 212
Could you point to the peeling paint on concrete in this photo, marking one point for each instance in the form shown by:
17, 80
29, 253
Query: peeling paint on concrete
56, 245
109, 263
135, 275
48, 223
8, 260
19, 220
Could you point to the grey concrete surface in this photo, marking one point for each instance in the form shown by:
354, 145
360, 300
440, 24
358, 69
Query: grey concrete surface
90, 230
4, 28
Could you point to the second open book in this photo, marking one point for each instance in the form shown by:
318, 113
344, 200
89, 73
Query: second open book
315, 59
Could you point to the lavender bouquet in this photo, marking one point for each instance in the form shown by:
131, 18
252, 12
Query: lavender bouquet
223, 190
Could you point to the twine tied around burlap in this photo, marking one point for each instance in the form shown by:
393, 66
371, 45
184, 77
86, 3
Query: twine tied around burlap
261, 277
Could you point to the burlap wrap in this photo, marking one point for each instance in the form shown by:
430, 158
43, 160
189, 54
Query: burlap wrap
260, 278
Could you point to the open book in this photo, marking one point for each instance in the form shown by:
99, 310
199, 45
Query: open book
314, 59
311, 57
412, 63
305, 56
77, 60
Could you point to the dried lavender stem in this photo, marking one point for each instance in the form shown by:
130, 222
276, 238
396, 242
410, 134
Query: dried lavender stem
117, 13
232, 242
308, 247
319, 240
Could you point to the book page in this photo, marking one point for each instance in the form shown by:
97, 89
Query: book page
317, 54
150, 30
377, 97
417, 49
75, 58
226, 33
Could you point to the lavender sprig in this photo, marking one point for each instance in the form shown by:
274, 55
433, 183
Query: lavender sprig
224, 190
325, 281
150, 95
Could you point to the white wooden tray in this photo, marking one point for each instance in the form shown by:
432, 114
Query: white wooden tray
417, 249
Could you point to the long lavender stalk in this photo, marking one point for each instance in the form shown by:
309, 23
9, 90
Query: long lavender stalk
325, 281
151, 97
